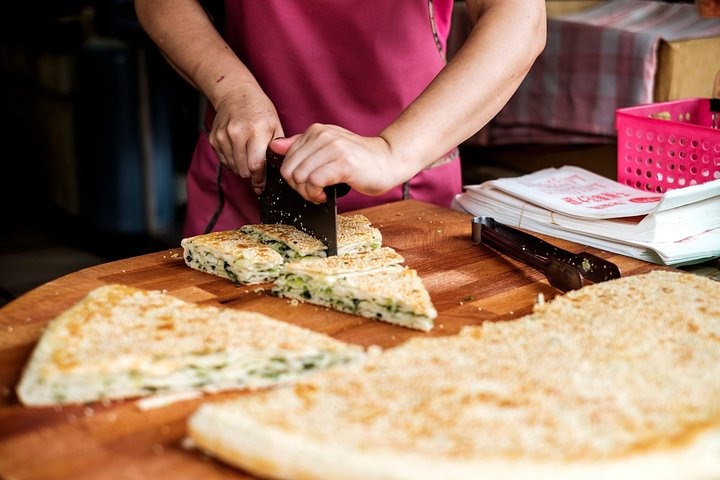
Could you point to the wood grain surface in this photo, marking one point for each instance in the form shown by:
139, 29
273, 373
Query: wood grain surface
468, 283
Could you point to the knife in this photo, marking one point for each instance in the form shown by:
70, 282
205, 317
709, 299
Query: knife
564, 270
280, 203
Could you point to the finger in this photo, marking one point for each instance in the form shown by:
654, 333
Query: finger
238, 155
314, 193
327, 174
255, 154
281, 145
223, 150
304, 154
311, 193
309, 160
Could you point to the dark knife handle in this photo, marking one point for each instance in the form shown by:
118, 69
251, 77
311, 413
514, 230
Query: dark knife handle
275, 160
560, 275
592, 267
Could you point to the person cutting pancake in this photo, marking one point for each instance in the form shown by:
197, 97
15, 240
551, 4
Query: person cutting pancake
354, 91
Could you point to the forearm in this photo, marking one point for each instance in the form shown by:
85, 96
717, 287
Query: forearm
192, 45
505, 41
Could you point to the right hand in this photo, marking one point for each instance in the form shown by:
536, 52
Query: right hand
245, 123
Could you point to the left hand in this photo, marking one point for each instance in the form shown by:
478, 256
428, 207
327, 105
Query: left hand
325, 155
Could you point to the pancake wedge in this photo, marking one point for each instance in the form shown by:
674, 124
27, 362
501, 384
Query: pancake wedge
371, 284
232, 254
121, 342
355, 234
616, 380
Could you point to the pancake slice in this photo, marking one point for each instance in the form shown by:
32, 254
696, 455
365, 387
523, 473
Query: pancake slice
234, 255
371, 284
121, 342
355, 234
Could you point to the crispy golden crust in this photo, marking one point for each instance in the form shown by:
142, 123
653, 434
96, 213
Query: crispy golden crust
617, 380
296, 239
350, 263
234, 243
118, 330
355, 234
403, 285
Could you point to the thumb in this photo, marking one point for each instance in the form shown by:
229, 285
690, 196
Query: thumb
282, 145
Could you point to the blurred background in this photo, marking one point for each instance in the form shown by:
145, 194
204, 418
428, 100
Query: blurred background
97, 132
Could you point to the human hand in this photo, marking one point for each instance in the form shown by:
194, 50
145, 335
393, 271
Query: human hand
326, 155
245, 123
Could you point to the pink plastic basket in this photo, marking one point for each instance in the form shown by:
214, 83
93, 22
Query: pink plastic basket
662, 146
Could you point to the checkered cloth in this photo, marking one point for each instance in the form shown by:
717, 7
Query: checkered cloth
595, 62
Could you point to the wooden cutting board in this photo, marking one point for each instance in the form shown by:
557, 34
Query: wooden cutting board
468, 283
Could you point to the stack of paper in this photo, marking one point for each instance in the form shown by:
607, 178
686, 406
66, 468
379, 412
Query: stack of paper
679, 227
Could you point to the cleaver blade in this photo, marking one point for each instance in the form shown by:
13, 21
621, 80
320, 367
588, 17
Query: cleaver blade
280, 203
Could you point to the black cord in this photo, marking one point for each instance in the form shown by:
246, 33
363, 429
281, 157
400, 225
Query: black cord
221, 201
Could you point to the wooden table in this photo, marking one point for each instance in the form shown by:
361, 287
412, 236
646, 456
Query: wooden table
468, 283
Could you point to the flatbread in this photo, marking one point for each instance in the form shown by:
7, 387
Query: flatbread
616, 380
371, 284
121, 342
355, 234
288, 241
234, 255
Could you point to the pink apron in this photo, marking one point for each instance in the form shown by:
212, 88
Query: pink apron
352, 63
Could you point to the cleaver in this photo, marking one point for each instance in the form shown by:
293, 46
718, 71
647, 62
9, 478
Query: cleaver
280, 203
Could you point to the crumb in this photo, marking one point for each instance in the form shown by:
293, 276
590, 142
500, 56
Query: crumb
294, 302
540, 299
374, 350
259, 290
460, 303
187, 443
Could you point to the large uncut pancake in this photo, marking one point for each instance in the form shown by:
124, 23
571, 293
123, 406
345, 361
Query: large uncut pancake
617, 380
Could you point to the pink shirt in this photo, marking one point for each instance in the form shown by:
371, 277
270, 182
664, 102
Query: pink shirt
352, 63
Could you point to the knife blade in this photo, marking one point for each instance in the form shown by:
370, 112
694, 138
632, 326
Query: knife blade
280, 203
